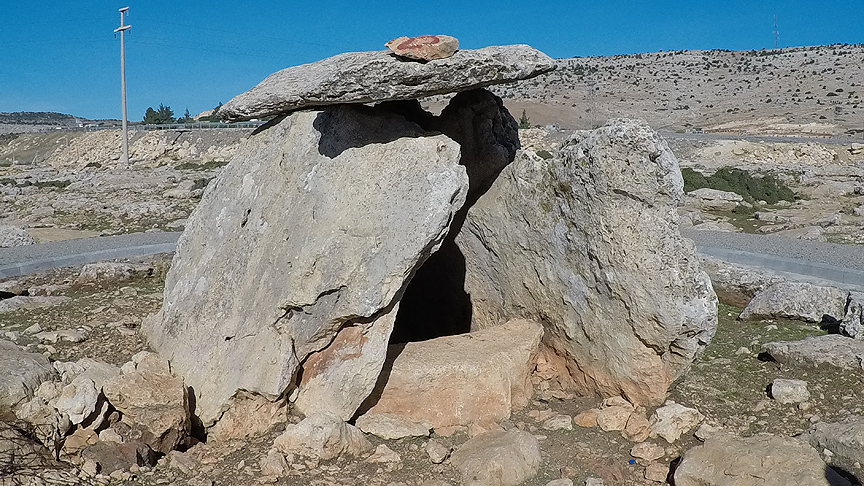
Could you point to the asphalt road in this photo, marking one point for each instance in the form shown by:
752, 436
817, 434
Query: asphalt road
829, 262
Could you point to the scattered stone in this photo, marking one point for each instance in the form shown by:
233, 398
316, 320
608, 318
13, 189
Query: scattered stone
787, 391
323, 438
112, 272
713, 199
657, 472
638, 428
389, 426
560, 482
78, 440
424, 47
797, 300
67, 335
558, 422
614, 417
90, 468
154, 403
22, 302
273, 464
21, 373
845, 441
760, 460
594, 482
811, 352
49, 425
852, 324
22, 459
366, 77
706, 431
111, 456
384, 454
248, 415
437, 451
14, 236
505, 458
673, 420
183, 462
34, 329
467, 379
287, 316
587, 419
606, 275
648, 451
77, 400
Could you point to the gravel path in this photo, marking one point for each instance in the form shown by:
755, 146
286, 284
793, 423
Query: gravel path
23, 260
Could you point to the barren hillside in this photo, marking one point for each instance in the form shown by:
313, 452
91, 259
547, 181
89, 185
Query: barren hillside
814, 90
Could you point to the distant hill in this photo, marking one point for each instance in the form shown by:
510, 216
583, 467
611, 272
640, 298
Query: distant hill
814, 90
39, 118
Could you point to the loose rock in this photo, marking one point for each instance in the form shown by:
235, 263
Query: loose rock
424, 47
498, 458
789, 391
797, 300
21, 373
831, 349
672, 420
323, 438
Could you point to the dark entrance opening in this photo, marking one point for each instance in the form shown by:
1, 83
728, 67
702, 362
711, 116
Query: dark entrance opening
435, 303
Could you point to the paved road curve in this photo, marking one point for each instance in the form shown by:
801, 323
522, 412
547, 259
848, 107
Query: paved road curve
23, 260
841, 264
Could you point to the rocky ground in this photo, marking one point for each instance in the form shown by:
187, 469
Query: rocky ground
727, 385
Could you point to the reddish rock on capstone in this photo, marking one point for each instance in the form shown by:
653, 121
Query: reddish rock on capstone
424, 47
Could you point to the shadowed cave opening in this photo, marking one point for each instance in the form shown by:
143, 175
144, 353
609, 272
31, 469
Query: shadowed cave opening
435, 303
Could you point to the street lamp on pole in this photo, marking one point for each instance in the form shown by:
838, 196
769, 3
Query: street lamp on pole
122, 30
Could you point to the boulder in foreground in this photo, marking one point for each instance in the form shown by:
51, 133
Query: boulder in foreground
475, 378
761, 460
588, 244
300, 247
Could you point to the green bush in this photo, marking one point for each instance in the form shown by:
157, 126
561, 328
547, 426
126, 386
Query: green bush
753, 189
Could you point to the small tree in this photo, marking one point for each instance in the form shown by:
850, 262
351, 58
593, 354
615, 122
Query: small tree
524, 121
187, 117
161, 116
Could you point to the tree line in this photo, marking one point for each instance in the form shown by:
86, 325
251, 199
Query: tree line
164, 115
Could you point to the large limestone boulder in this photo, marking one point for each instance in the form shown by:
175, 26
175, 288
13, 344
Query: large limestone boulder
830, 350
364, 77
301, 246
588, 244
842, 442
475, 378
762, 460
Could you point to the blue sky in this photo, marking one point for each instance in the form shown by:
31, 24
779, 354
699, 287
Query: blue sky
62, 56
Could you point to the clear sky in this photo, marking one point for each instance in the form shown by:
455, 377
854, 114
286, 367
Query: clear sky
62, 56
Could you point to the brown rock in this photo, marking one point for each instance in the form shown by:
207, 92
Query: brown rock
657, 472
588, 418
154, 403
112, 456
248, 415
79, 439
613, 418
474, 378
424, 47
637, 429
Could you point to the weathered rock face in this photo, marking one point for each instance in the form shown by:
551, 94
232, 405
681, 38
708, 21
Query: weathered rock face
424, 47
763, 460
475, 378
312, 230
589, 245
364, 77
798, 300
20, 374
844, 440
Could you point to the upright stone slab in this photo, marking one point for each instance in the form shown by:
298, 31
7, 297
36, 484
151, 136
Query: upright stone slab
588, 244
314, 227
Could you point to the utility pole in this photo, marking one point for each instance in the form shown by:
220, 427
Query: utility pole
776, 33
122, 29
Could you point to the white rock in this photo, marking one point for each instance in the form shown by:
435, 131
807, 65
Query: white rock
672, 420
504, 458
437, 451
323, 438
797, 300
384, 454
77, 400
788, 391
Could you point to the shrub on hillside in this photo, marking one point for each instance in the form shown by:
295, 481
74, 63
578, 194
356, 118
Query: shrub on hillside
753, 189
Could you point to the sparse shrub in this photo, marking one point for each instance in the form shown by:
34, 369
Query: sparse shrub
753, 189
